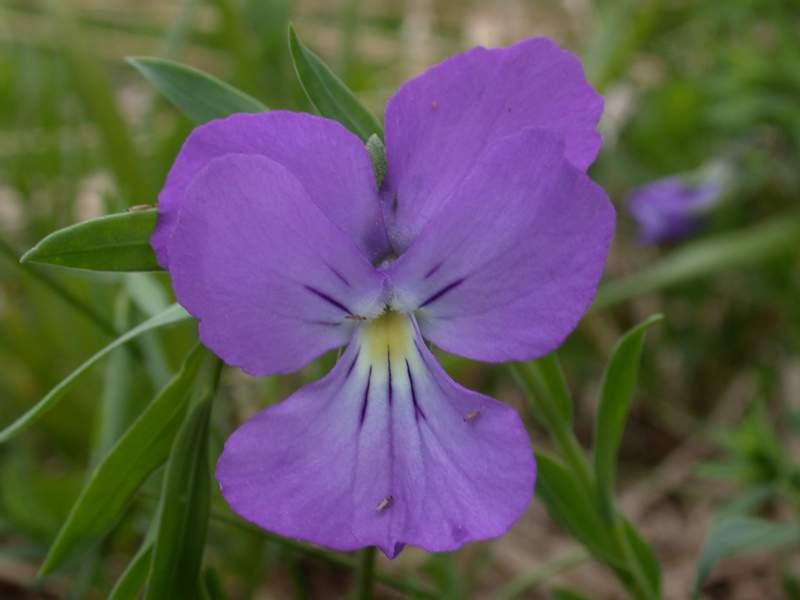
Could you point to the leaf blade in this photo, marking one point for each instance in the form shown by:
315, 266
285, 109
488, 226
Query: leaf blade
172, 315
616, 393
735, 534
570, 507
328, 94
199, 96
141, 449
185, 503
118, 242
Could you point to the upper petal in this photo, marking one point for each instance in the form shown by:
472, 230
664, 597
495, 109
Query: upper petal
272, 280
386, 450
507, 268
331, 163
438, 124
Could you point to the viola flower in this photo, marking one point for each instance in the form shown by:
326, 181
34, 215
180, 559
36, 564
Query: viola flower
672, 208
486, 238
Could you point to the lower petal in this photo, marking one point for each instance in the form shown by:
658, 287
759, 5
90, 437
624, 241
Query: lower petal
386, 450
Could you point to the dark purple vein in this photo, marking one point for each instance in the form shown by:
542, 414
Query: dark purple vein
327, 298
442, 292
417, 408
366, 400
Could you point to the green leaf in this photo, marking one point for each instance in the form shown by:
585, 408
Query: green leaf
185, 504
738, 534
172, 315
570, 507
648, 561
329, 95
544, 381
565, 594
705, 257
143, 447
118, 242
616, 392
132, 580
199, 96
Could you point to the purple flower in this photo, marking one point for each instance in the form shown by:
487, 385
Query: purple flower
487, 238
672, 208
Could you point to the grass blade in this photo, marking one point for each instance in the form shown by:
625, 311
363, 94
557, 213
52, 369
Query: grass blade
143, 447
705, 257
172, 315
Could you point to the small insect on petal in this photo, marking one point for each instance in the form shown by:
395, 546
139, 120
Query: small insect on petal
434, 105
471, 416
139, 207
355, 317
384, 504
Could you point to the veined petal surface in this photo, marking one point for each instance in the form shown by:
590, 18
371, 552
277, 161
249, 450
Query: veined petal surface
507, 268
330, 162
272, 280
438, 124
386, 450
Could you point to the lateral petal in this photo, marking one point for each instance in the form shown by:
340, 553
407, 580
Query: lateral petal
508, 267
272, 280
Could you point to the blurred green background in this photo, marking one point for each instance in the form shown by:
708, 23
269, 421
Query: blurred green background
716, 426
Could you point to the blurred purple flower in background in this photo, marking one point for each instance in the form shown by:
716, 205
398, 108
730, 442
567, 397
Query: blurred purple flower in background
672, 208
487, 238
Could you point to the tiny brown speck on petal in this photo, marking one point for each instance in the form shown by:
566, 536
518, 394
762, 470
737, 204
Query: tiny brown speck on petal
384, 504
471, 416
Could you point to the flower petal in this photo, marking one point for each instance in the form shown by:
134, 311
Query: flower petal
671, 208
438, 124
507, 268
331, 163
386, 450
272, 280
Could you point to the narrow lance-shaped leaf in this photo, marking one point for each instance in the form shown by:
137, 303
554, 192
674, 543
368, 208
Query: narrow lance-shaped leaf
643, 553
118, 242
329, 95
199, 96
544, 383
616, 392
172, 315
175, 569
131, 582
738, 534
570, 507
143, 447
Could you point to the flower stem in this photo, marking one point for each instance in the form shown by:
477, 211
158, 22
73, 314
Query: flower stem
366, 574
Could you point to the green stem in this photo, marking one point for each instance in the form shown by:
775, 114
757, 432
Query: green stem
365, 581
643, 588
